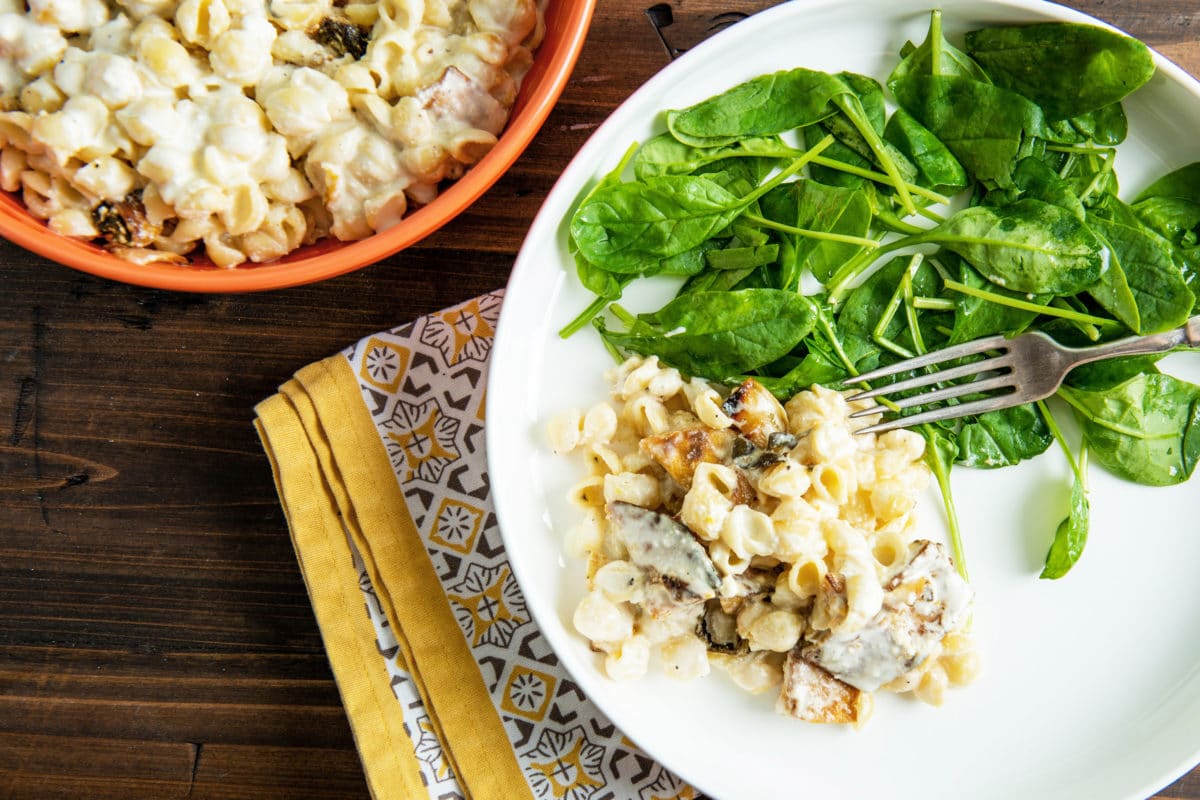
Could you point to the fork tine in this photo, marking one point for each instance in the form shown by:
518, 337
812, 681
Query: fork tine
936, 357
945, 412
987, 365
946, 393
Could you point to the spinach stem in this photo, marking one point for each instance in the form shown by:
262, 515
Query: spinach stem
1068, 165
1086, 326
625, 318
933, 303
584, 317
613, 350
902, 293
1071, 149
935, 42
1057, 433
910, 311
1012, 302
789, 171
930, 215
841, 166
839, 284
894, 346
852, 108
834, 341
826, 235
831, 336
1096, 180
889, 219
885, 319
941, 473
940, 269
879, 177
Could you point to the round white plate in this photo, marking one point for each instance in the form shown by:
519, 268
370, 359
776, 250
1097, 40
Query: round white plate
1091, 685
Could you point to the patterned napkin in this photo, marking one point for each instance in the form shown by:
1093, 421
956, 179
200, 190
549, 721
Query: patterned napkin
451, 690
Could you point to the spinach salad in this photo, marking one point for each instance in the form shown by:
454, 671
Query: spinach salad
798, 208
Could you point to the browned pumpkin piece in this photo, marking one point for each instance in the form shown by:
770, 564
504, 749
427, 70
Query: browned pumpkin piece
755, 412
680, 452
811, 694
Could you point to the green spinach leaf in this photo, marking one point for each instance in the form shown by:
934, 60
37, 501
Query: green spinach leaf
1176, 218
1029, 246
1034, 179
763, 106
717, 335
742, 257
936, 166
1103, 375
1159, 289
1066, 68
623, 226
830, 209
1003, 438
1072, 533
666, 155
1107, 126
1145, 429
936, 56
981, 124
818, 366
1182, 183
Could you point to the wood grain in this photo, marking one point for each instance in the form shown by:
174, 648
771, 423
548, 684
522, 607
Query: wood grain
156, 640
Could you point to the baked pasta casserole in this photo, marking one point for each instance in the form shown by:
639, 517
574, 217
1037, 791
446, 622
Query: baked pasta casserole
768, 539
250, 127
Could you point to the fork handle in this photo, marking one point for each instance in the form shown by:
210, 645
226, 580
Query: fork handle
1186, 334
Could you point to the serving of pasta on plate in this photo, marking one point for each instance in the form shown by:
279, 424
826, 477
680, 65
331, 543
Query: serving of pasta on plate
770, 540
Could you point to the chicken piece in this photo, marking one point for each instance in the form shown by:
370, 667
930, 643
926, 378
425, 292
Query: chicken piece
666, 550
813, 695
923, 601
755, 412
460, 100
681, 452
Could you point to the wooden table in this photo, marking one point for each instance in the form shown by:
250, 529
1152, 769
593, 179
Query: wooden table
156, 640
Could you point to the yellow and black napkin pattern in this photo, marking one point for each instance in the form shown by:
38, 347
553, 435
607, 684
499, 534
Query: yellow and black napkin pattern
451, 690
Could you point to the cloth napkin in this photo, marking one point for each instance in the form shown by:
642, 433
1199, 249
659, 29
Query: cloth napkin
451, 690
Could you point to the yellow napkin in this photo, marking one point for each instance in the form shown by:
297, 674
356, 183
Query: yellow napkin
451, 691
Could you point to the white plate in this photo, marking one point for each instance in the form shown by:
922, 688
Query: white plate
1091, 685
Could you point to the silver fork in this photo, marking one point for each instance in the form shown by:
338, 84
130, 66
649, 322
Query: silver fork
1022, 369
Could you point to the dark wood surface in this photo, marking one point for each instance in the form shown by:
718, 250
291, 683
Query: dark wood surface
156, 640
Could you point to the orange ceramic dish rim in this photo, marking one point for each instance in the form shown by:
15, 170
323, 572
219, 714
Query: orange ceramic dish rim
567, 23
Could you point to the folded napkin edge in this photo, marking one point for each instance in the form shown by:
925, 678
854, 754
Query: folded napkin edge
391, 768
349, 454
